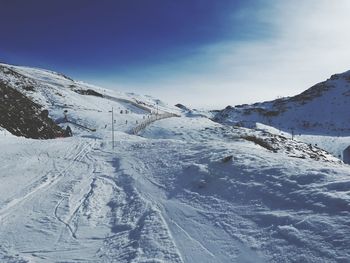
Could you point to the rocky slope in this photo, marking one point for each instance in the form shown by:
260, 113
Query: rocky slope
37, 103
22, 117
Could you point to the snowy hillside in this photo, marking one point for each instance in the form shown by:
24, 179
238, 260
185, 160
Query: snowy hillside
84, 103
179, 188
322, 109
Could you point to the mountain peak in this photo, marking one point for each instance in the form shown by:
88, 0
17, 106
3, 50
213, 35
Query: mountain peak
323, 108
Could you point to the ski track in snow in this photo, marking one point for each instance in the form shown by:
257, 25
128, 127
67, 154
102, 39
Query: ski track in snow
47, 181
136, 203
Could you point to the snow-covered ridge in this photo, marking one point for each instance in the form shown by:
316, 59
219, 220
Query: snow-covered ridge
83, 103
322, 109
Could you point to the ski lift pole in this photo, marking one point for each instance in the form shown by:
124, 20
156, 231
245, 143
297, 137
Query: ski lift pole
112, 127
157, 109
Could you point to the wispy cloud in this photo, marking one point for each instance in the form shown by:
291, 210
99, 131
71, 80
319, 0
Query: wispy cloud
308, 42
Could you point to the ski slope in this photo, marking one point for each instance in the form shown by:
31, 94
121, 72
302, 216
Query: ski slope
185, 189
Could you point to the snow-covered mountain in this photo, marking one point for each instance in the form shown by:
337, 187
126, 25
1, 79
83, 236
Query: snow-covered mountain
322, 109
59, 96
20, 115
173, 187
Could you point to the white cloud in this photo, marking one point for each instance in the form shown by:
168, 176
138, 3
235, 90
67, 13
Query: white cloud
310, 42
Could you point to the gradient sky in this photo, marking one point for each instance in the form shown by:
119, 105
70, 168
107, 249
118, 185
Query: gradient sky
204, 53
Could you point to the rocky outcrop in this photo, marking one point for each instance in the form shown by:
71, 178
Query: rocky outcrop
22, 117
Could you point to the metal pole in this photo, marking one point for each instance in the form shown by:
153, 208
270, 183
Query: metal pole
112, 128
157, 108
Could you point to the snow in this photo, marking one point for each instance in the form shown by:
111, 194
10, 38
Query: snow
320, 110
166, 195
318, 116
333, 144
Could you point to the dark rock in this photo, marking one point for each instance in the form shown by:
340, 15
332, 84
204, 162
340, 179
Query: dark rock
28, 88
227, 158
88, 92
22, 117
182, 107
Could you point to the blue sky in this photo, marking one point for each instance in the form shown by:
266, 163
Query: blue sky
204, 53
119, 33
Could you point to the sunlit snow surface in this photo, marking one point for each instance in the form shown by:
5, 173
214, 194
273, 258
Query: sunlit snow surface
163, 196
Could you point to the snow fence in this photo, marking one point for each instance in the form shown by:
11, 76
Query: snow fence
150, 120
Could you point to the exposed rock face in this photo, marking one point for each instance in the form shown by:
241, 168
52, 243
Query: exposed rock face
182, 107
90, 92
22, 117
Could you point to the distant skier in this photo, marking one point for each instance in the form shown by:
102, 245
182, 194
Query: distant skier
68, 132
